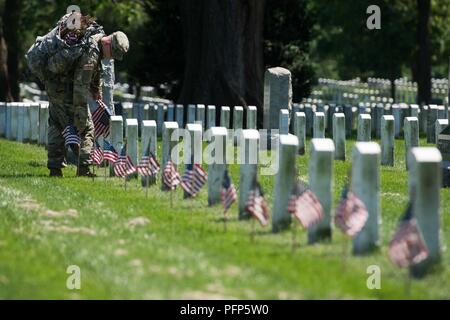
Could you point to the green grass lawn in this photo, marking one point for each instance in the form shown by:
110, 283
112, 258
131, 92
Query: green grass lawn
48, 224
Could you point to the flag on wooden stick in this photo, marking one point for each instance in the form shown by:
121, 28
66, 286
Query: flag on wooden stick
124, 166
193, 179
171, 177
351, 214
407, 246
257, 206
101, 119
148, 166
70, 135
228, 193
109, 153
96, 155
305, 206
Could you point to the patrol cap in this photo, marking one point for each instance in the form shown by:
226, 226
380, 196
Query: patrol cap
119, 45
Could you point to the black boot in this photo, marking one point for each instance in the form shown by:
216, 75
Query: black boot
56, 173
83, 171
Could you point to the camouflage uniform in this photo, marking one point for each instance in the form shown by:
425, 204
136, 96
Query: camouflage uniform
68, 95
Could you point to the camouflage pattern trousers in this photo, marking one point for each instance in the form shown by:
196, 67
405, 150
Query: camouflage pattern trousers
62, 114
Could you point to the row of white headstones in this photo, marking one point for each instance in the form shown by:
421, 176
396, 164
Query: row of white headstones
29, 122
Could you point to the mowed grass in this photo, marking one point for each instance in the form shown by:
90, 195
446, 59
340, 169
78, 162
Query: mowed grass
183, 252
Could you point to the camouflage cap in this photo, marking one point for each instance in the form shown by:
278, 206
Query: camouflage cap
119, 45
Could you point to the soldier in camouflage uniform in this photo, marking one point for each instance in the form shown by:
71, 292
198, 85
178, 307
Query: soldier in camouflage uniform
68, 95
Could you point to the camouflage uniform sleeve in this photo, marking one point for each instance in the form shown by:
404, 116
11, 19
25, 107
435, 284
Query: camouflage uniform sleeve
83, 76
96, 83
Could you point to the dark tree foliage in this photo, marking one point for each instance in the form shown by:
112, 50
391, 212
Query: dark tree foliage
287, 35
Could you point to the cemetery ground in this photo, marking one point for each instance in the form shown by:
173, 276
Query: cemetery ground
132, 247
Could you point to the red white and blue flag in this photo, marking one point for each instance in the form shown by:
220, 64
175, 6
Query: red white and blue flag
148, 166
171, 177
305, 206
109, 153
124, 166
96, 155
228, 193
70, 135
257, 206
407, 246
101, 118
193, 179
351, 214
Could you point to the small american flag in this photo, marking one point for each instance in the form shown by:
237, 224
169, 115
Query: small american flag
70, 136
109, 153
148, 166
407, 247
123, 167
305, 206
257, 206
351, 214
97, 154
101, 118
228, 193
171, 178
193, 179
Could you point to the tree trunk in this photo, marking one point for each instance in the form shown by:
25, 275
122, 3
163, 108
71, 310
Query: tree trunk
223, 41
5, 93
11, 24
424, 52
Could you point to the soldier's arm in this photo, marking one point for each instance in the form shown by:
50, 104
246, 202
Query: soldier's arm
84, 72
96, 84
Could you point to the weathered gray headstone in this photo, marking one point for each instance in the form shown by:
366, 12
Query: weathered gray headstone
366, 186
248, 167
167, 145
252, 113
397, 113
180, 115
309, 113
116, 128
424, 184
170, 112
411, 127
285, 180
238, 122
152, 112
319, 125
414, 110
43, 124
149, 144
300, 131
377, 113
364, 130
193, 139
225, 117
321, 183
423, 119
190, 114
348, 120
441, 124
431, 123
211, 117
22, 117
127, 110
216, 169
387, 140
193, 143
132, 139
339, 136
200, 115
284, 121
277, 95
